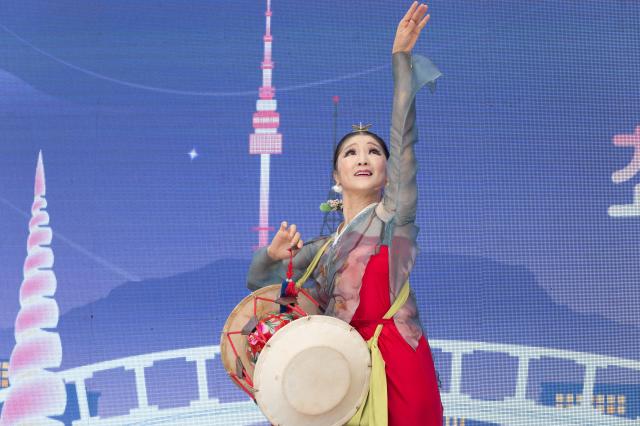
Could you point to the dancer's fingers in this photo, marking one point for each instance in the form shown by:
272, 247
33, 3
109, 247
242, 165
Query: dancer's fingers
297, 245
409, 13
419, 13
292, 230
295, 240
424, 22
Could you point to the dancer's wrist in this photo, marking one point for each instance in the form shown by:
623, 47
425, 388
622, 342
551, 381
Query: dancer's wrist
270, 253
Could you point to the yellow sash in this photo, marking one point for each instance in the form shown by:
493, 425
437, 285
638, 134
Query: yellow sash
313, 263
373, 411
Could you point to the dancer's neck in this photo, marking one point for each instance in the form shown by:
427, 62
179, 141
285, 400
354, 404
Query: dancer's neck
352, 204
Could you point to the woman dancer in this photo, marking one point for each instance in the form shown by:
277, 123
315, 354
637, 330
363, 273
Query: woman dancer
365, 265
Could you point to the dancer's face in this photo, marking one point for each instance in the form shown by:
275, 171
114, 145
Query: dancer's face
361, 165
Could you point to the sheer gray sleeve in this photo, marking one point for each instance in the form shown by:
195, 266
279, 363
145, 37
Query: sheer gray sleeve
400, 195
266, 271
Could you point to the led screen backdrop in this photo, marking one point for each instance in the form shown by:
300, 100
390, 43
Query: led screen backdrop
528, 274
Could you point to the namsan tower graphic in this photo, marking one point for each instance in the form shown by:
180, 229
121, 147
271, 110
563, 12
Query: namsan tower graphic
265, 139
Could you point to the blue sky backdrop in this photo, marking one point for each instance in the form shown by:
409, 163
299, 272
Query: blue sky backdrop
516, 151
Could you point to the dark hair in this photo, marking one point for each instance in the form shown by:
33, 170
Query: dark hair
352, 134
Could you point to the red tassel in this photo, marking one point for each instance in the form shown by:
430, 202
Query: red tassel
291, 289
290, 268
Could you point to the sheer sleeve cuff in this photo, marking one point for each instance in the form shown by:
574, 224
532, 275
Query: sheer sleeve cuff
422, 69
264, 270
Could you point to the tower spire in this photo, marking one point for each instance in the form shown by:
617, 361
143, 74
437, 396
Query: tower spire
265, 139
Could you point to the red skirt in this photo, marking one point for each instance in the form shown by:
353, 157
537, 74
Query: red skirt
412, 385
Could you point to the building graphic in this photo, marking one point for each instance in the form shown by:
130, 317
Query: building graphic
4, 374
265, 139
36, 392
621, 400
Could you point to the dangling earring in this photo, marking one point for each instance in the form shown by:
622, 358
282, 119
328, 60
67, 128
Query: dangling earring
337, 188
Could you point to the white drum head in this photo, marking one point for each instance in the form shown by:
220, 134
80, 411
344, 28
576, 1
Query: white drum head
313, 372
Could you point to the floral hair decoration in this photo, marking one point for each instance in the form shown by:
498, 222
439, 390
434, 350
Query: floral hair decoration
331, 205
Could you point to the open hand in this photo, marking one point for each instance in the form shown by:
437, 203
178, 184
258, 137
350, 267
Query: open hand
409, 28
286, 238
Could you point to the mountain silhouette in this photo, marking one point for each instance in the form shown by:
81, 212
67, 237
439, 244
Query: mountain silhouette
460, 297
474, 298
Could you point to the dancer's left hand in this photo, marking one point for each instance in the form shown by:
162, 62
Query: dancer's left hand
410, 27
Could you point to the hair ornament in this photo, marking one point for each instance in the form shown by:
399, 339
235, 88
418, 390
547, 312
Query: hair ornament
360, 127
331, 206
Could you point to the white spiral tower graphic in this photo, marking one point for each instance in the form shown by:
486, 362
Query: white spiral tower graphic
35, 393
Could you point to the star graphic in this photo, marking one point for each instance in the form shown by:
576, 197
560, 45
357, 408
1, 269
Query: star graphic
192, 154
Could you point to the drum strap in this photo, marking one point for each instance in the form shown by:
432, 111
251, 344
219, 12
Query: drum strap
373, 411
303, 279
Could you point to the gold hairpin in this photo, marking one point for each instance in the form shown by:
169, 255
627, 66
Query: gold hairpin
360, 127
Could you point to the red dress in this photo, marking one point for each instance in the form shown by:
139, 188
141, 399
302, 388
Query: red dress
412, 386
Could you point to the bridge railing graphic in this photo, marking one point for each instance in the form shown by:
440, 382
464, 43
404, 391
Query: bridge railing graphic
515, 409
518, 409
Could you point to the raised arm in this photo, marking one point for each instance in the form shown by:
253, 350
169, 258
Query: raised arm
409, 75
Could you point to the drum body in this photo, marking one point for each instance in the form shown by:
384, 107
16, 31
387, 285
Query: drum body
312, 369
238, 356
